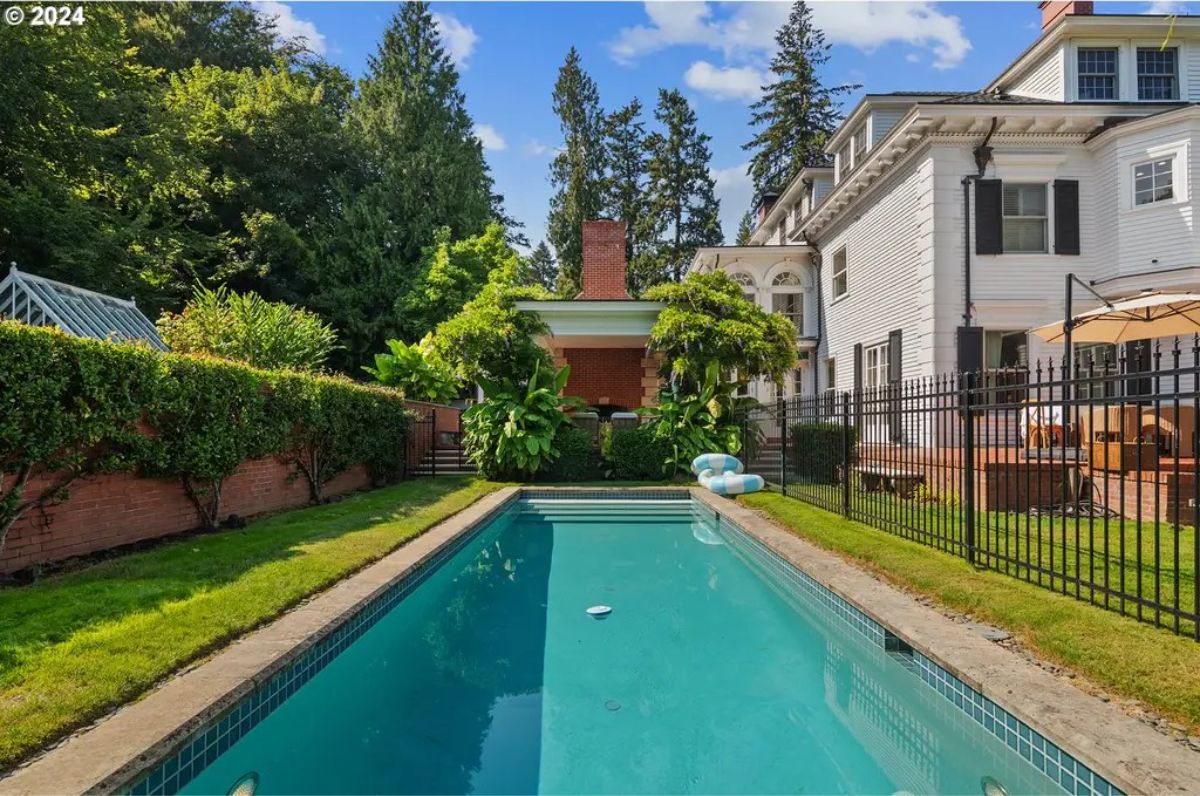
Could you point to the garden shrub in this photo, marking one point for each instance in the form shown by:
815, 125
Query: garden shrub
577, 459
639, 454
73, 407
248, 328
511, 434
817, 448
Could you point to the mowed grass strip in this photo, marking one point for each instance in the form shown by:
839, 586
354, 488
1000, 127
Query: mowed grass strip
1122, 655
78, 644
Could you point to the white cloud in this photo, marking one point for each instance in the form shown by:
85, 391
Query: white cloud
747, 34
736, 192
913, 58
458, 38
732, 82
535, 147
1164, 7
289, 26
490, 137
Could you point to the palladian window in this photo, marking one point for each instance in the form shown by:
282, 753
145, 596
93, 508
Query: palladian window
787, 299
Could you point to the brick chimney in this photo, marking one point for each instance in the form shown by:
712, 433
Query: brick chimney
1053, 9
766, 202
604, 260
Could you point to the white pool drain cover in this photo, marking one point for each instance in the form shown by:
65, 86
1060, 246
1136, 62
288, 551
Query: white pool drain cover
599, 610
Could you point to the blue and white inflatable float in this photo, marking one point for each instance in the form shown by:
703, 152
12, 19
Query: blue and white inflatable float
723, 474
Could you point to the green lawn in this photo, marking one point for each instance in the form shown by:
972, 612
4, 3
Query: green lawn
77, 644
1118, 653
1119, 554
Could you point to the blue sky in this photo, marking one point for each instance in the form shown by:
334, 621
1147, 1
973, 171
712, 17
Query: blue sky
509, 53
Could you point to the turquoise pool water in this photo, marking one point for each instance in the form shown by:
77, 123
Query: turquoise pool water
711, 675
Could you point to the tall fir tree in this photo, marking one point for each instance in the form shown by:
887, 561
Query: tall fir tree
424, 171
577, 171
412, 121
681, 196
745, 228
625, 180
797, 112
539, 268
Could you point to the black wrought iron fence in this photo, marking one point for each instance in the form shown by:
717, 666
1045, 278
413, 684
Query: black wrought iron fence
1084, 483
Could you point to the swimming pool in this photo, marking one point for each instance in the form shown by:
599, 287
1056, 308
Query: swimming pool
721, 669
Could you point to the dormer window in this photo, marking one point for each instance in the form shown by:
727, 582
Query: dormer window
1098, 73
1157, 74
858, 142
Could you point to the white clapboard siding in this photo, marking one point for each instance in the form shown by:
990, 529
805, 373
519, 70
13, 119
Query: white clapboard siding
1045, 79
888, 242
882, 122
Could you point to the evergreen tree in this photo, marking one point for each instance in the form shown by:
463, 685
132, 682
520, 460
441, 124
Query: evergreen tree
797, 112
577, 171
625, 182
745, 228
539, 268
681, 196
174, 35
412, 121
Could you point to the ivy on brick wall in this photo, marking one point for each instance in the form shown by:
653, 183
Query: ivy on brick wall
71, 408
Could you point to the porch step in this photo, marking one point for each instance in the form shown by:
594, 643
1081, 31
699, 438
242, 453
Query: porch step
445, 461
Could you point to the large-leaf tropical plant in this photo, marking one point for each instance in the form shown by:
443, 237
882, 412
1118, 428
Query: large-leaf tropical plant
416, 370
703, 419
511, 432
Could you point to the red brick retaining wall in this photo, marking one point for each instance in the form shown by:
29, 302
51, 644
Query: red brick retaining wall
121, 508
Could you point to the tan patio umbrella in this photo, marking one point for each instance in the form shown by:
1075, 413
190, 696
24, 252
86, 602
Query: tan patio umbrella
1154, 315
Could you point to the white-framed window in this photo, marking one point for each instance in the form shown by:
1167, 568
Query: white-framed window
858, 143
841, 284
875, 366
748, 286
1154, 181
1157, 73
1004, 349
1025, 218
843, 162
1097, 73
787, 298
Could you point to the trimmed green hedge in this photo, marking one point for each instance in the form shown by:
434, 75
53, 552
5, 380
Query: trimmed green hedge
576, 460
817, 448
638, 454
73, 407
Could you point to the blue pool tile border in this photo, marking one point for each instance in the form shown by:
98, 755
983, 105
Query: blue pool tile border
1073, 776
203, 746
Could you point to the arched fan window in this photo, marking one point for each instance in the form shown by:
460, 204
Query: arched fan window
748, 286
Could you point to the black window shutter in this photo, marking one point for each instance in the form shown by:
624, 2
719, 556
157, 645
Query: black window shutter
970, 349
1066, 216
858, 382
895, 358
988, 219
895, 387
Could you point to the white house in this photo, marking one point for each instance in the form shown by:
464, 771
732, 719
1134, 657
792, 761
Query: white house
948, 222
